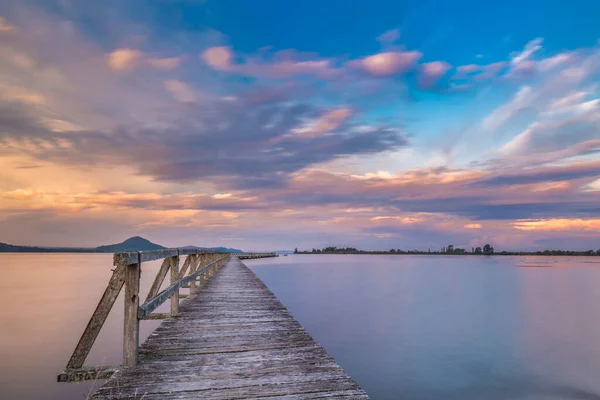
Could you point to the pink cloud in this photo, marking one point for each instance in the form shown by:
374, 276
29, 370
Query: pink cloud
490, 70
287, 69
467, 69
165, 64
431, 72
180, 91
555, 61
218, 58
327, 122
388, 63
123, 59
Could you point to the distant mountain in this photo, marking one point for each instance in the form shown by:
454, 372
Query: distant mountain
219, 249
135, 243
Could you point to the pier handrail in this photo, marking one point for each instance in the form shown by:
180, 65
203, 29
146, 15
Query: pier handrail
198, 264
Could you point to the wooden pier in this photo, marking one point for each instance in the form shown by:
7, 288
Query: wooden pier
229, 339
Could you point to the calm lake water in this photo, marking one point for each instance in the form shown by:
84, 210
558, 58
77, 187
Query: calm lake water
410, 327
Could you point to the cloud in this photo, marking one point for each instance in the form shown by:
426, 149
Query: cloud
20, 194
217, 139
430, 73
181, 91
284, 65
550, 63
559, 224
165, 64
218, 58
326, 122
553, 135
530, 48
388, 63
490, 71
389, 37
571, 171
254, 155
467, 69
5, 27
521, 101
123, 59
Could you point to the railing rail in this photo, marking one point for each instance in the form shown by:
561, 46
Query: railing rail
198, 265
243, 256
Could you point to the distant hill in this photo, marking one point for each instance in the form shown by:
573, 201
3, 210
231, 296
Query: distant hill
219, 249
135, 243
11, 248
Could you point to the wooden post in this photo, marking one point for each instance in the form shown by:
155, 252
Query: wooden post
131, 336
193, 268
174, 279
95, 324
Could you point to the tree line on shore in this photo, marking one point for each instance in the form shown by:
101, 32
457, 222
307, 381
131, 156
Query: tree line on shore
450, 249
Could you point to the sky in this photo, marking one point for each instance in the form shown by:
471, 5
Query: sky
272, 124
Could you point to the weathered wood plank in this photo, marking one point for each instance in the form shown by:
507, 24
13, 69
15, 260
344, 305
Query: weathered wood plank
88, 373
231, 340
132, 257
152, 255
115, 284
131, 328
193, 268
158, 316
185, 266
174, 281
159, 279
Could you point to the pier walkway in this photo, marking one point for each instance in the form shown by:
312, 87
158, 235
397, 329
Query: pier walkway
230, 339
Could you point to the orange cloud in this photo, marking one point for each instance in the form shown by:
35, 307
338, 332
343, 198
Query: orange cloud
20, 194
472, 226
559, 224
123, 59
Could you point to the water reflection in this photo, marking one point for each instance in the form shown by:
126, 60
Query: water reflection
410, 327
47, 300
419, 327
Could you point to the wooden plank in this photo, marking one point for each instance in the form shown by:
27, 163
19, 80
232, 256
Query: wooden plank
88, 373
158, 316
126, 258
98, 317
131, 328
159, 279
232, 340
174, 281
185, 266
152, 255
192, 251
133, 257
193, 268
